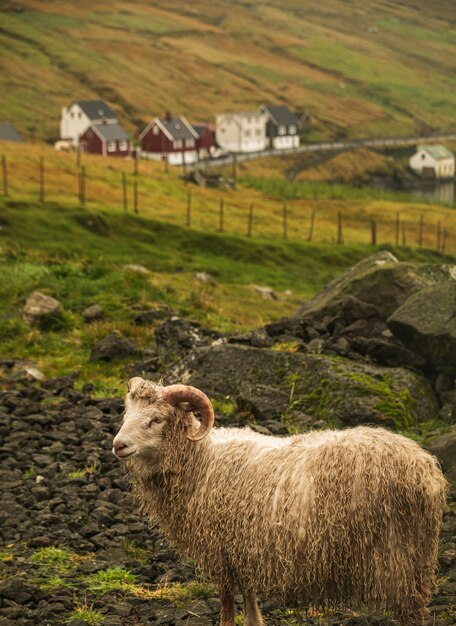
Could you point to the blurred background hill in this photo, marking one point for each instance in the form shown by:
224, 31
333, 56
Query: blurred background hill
356, 67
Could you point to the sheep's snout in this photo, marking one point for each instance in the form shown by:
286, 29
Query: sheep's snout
121, 449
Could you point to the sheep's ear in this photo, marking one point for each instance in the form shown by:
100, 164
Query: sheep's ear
134, 383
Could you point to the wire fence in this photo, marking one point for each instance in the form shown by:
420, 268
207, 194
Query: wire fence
297, 220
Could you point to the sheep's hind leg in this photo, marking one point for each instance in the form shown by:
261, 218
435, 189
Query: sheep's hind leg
227, 610
252, 612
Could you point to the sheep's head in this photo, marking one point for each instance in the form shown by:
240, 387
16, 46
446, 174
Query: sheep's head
150, 409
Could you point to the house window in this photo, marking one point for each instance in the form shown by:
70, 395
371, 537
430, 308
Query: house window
247, 133
282, 130
258, 132
123, 146
292, 130
423, 156
155, 130
177, 144
72, 115
223, 129
79, 115
190, 143
111, 146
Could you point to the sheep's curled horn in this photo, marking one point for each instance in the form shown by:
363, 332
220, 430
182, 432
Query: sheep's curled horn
176, 394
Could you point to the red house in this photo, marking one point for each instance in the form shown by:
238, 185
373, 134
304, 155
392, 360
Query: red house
105, 139
169, 138
206, 139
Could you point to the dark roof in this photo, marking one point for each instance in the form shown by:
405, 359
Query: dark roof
177, 128
280, 114
9, 133
200, 129
110, 132
96, 110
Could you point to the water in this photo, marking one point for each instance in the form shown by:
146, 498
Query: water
444, 191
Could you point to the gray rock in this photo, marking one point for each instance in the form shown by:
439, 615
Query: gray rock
93, 313
40, 307
426, 324
176, 336
335, 389
444, 448
112, 347
144, 318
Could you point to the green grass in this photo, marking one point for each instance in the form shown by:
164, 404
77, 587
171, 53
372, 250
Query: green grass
87, 614
316, 190
110, 579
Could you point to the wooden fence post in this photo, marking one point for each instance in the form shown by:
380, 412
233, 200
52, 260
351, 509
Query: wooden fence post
397, 228
340, 236
41, 179
250, 221
135, 196
135, 164
221, 215
5, 176
78, 156
189, 206
234, 168
311, 225
285, 221
373, 232
124, 189
444, 239
421, 232
404, 233
83, 185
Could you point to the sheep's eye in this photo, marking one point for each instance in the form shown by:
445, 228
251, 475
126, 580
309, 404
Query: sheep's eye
155, 420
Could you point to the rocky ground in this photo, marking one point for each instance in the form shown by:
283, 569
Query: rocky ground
74, 549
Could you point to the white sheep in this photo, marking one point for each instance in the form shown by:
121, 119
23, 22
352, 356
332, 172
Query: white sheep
326, 518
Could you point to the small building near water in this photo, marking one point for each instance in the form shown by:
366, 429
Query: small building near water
433, 161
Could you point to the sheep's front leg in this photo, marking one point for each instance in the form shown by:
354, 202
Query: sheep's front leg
251, 610
227, 610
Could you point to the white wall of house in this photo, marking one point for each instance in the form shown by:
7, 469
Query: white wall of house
174, 158
287, 141
443, 168
74, 122
241, 132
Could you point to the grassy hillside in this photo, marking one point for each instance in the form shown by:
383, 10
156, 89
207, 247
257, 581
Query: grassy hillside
359, 67
79, 257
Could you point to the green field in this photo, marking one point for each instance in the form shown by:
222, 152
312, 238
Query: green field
359, 68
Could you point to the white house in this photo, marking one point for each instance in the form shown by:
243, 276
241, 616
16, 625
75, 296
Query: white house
433, 162
77, 118
281, 126
241, 132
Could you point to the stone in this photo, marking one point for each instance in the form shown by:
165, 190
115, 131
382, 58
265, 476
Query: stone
426, 324
138, 269
40, 307
444, 448
335, 389
113, 347
177, 336
145, 318
267, 293
204, 277
93, 313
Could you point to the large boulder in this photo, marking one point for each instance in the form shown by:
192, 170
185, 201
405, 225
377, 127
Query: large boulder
426, 324
444, 448
290, 385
